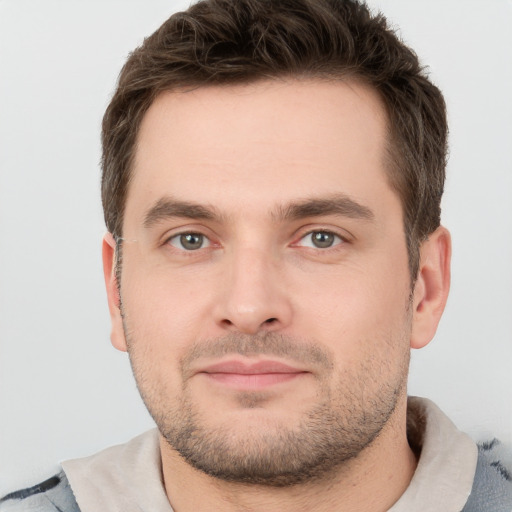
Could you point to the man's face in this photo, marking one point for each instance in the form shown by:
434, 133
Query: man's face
265, 288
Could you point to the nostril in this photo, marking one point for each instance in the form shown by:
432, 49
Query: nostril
249, 324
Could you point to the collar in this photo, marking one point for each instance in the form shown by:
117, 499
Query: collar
444, 476
122, 478
128, 477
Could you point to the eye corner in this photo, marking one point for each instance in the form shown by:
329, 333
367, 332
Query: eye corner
320, 239
188, 241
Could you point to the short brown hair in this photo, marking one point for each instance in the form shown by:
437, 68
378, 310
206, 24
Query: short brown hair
223, 42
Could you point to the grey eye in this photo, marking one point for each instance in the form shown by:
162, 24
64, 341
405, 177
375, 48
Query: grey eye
320, 240
189, 241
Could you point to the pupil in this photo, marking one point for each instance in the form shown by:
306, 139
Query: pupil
191, 241
322, 239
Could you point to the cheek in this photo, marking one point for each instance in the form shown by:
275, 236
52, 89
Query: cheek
357, 311
157, 332
162, 299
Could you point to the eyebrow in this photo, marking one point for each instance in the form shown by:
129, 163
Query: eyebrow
167, 207
337, 204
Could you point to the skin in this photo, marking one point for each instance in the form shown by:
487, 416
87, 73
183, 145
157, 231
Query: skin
249, 158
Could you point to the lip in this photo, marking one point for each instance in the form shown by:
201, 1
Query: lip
250, 368
251, 375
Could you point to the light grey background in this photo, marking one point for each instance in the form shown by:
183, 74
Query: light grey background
64, 391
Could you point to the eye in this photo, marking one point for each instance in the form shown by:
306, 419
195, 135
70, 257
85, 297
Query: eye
189, 241
320, 240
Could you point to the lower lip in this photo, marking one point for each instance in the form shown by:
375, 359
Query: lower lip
252, 381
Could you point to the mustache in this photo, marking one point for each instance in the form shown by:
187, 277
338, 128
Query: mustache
267, 344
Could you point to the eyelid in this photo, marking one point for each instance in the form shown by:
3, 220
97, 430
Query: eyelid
206, 241
338, 240
212, 239
305, 231
191, 229
184, 229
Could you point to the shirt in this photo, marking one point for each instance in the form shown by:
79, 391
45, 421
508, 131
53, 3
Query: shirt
128, 477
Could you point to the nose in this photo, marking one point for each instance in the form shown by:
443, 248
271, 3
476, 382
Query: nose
253, 297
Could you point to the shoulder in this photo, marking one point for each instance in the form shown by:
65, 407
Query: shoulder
492, 487
52, 495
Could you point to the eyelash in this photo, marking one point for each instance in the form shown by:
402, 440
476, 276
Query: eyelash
338, 240
179, 237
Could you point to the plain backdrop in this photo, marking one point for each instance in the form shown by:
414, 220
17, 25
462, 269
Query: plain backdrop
64, 391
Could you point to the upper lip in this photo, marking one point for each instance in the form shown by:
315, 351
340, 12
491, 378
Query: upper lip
250, 368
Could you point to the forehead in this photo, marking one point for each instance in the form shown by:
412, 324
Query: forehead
266, 141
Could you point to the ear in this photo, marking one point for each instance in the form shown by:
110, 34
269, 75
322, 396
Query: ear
432, 286
114, 300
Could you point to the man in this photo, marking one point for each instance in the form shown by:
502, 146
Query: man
272, 177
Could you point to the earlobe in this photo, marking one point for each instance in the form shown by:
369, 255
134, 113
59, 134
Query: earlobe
114, 301
432, 287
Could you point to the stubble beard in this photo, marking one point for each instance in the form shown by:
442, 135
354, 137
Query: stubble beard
347, 418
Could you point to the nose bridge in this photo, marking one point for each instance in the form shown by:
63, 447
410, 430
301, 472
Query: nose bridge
253, 298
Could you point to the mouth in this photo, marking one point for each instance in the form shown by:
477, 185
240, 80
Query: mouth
246, 375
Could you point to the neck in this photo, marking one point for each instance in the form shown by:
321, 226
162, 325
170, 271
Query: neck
372, 481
